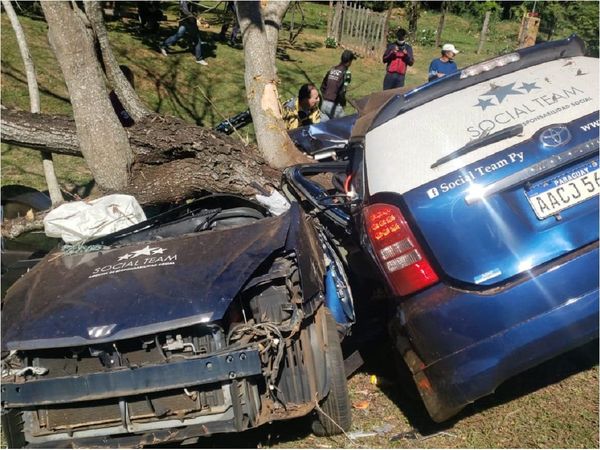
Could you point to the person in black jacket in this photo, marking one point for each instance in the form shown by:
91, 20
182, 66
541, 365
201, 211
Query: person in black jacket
398, 56
333, 88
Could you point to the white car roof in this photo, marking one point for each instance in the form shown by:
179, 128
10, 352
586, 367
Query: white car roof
399, 153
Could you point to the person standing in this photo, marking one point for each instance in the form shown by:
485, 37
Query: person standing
333, 88
187, 25
229, 15
445, 64
303, 110
398, 56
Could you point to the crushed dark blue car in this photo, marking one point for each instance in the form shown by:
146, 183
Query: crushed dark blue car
475, 197
211, 317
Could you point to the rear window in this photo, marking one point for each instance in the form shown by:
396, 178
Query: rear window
400, 153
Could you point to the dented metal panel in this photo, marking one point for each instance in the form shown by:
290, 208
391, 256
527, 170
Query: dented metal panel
137, 289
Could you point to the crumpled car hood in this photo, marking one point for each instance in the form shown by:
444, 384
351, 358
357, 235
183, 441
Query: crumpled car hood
136, 289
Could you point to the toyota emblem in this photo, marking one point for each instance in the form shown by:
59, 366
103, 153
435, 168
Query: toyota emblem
555, 136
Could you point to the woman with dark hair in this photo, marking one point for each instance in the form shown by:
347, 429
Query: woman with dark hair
303, 110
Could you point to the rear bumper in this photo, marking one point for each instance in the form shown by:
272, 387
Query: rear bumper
490, 337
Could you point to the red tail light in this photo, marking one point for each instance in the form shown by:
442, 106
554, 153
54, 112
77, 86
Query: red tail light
398, 252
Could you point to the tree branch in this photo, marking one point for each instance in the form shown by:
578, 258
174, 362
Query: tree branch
132, 103
12, 228
173, 159
43, 132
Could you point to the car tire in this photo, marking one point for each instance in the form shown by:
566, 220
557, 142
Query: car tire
12, 429
334, 415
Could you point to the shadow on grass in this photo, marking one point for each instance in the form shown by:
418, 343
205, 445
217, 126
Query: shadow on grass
19, 76
399, 386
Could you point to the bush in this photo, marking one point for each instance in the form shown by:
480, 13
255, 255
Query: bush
425, 37
330, 42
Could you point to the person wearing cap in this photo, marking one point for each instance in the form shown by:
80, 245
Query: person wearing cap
398, 56
444, 65
303, 110
333, 88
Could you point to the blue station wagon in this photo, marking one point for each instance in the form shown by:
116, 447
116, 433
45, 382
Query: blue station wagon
475, 197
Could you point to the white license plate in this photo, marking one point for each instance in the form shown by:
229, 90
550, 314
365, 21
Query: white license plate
567, 189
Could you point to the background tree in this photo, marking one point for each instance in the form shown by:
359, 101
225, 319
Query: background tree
413, 10
260, 22
34, 100
159, 158
441, 23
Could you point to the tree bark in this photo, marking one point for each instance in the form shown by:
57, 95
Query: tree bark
12, 228
273, 13
174, 160
484, 30
102, 139
261, 80
441, 23
413, 18
34, 100
124, 90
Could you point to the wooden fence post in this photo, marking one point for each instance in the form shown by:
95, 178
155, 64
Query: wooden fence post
484, 30
330, 15
340, 15
441, 23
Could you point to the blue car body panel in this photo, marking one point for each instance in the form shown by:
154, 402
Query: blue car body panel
443, 320
148, 287
507, 333
504, 233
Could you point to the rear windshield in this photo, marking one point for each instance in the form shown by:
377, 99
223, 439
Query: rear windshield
400, 153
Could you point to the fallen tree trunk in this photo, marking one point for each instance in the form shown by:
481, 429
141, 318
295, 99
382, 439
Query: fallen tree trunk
13, 228
173, 159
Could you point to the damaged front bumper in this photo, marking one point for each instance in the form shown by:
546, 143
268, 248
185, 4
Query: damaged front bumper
223, 377
126, 382
227, 390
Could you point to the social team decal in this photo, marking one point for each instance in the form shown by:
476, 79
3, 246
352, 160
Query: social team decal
143, 258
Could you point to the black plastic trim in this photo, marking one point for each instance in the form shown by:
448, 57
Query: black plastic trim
120, 383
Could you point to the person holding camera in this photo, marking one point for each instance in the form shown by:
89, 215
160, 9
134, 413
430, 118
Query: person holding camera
398, 56
333, 88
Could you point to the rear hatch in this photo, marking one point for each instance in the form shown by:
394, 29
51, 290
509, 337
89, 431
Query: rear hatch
522, 198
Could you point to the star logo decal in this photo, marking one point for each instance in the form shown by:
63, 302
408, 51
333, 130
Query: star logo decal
146, 251
484, 103
529, 87
501, 92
